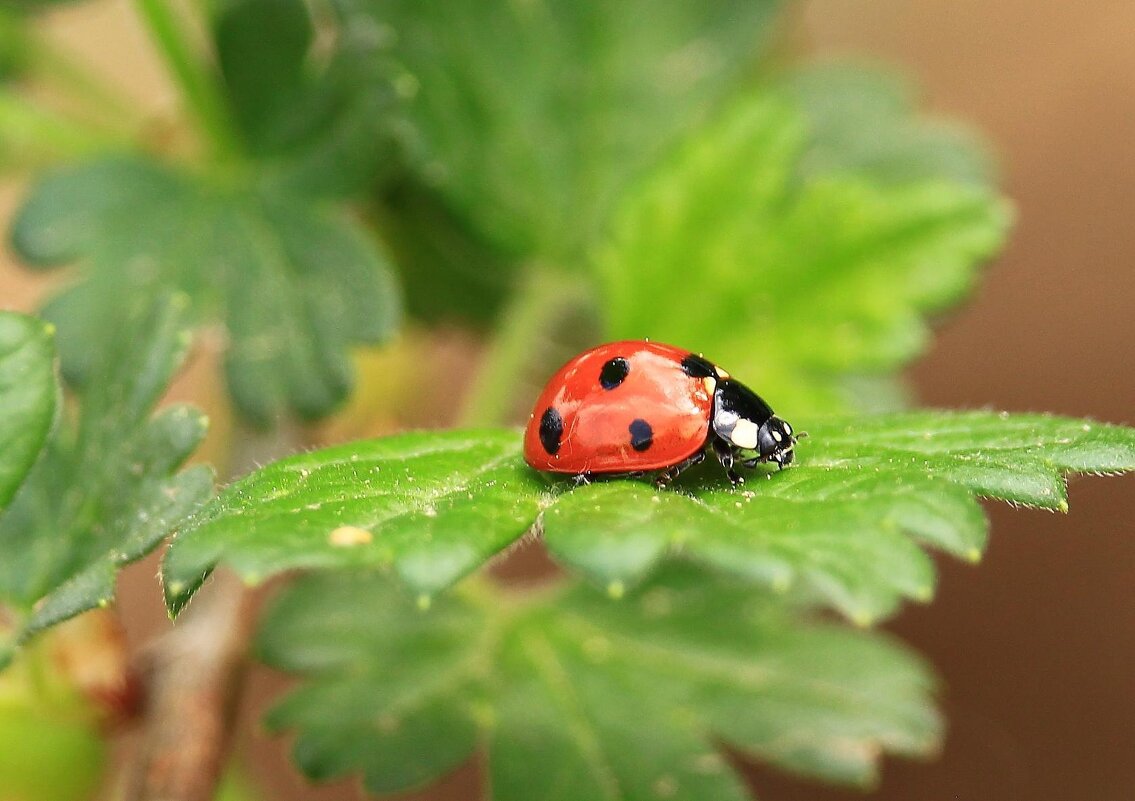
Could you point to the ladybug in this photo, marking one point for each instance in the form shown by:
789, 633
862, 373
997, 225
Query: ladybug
634, 407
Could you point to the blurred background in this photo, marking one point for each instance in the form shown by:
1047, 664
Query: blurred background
1036, 645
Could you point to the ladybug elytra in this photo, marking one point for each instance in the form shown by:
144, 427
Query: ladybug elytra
635, 406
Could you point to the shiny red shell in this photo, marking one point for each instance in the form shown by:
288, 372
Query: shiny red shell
655, 416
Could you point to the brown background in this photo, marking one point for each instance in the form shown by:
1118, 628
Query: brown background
1036, 646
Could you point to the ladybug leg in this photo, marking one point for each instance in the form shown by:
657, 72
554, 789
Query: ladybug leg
669, 474
582, 478
724, 453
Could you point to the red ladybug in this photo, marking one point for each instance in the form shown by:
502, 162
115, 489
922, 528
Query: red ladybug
632, 407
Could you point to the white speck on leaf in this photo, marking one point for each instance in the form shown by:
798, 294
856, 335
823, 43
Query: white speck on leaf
349, 537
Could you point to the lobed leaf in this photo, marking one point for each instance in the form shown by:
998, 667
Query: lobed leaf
533, 137
434, 507
862, 121
107, 490
574, 696
841, 527
294, 286
28, 396
797, 278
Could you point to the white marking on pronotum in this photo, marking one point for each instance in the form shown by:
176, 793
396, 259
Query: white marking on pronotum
776, 436
744, 434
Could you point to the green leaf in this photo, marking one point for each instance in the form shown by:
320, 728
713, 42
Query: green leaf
433, 506
842, 527
448, 273
316, 122
107, 490
862, 121
533, 135
261, 48
798, 283
294, 285
580, 697
28, 396
38, 5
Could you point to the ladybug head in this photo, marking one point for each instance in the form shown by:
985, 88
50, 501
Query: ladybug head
775, 441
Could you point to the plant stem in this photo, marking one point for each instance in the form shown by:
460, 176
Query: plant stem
196, 671
542, 302
198, 83
194, 681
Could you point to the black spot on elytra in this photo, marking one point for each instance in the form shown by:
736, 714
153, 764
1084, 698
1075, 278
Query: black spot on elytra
614, 372
698, 367
642, 435
551, 430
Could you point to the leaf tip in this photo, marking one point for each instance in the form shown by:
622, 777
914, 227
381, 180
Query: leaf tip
862, 618
973, 555
425, 600
616, 589
1062, 506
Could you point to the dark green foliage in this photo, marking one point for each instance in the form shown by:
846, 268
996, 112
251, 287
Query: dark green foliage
294, 283
107, 489
580, 697
28, 396
316, 124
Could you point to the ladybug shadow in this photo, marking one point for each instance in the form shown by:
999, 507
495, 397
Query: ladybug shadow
699, 479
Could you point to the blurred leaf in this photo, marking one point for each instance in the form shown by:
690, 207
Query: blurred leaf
14, 43
321, 123
447, 272
261, 49
28, 395
841, 525
862, 121
38, 5
579, 697
107, 490
295, 286
532, 116
794, 285
47, 754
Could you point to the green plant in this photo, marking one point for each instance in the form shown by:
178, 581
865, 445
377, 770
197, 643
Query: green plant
546, 174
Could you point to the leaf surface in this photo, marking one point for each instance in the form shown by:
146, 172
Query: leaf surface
797, 278
28, 397
432, 506
533, 136
842, 527
317, 120
107, 490
863, 121
580, 697
293, 284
